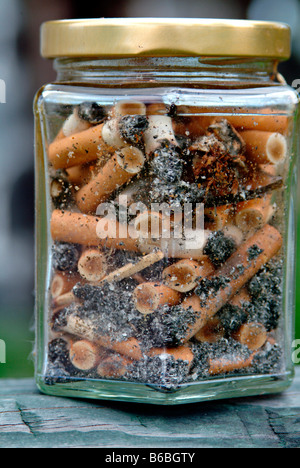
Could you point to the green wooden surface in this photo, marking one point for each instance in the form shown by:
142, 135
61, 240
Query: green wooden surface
29, 419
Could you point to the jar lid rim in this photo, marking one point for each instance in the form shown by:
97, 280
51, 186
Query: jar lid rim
162, 37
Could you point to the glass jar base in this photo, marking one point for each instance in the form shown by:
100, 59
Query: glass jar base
214, 389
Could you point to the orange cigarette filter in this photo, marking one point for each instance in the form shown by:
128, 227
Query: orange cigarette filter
78, 149
216, 218
87, 230
229, 364
268, 242
129, 348
128, 107
92, 265
197, 121
212, 331
194, 303
113, 366
265, 147
182, 353
122, 167
254, 214
148, 297
84, 355
64, 300
182, 276
62, 283
253, 335
241, 298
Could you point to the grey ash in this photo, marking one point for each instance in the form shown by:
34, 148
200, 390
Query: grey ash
266, 292
219, 248
166, 327
232, 317
268, 360
163, 371
59, 367
208, 287
176, 193
226, 348
132, 128
167, 166
65, 256
109, 307
253, 252
92, 112
58, 351
61, 190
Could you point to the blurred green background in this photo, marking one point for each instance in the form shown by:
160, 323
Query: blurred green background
24, 72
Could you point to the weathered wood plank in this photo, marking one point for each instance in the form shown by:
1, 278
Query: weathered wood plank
29, 419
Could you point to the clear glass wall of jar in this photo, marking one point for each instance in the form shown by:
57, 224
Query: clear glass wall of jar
165, 228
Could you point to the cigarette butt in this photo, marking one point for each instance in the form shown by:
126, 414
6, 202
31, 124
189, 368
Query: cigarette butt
253, 214
122, 167
241, 298
197, 120
78, 149
148, 297
84, 355
182, 276
194, 303
85, 329
182, 353
192, 126
65, 300
156, 108
263, 123
113, 366
74, 124
62, 283
90, 231
217, 217
129, 348
81, 175
229, 364
212, 332
111, 134
265, 147
130, 270
92, 265
253, 335
160, 129
127, 107
268, 242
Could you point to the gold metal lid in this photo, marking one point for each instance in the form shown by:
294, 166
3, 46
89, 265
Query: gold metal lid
161, 37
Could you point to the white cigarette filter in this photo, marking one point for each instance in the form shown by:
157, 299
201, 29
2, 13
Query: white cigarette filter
111, 134
160, 129
74, 124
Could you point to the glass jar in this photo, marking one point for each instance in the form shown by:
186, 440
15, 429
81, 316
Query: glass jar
165, 210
